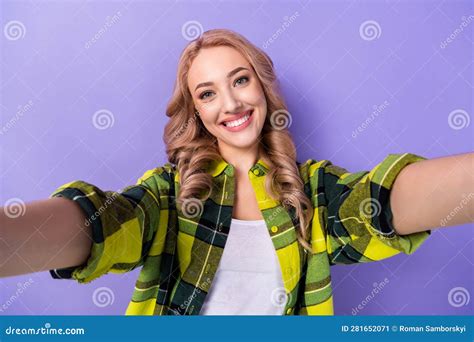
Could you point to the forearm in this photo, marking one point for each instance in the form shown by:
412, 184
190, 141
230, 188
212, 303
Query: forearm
434, 193
50, 234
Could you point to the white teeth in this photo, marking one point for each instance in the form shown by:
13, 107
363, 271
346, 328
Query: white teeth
237, 122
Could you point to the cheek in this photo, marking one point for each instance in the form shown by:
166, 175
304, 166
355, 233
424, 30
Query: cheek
255, 96
208, 119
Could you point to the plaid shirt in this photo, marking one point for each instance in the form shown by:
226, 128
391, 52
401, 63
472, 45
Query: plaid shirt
179, 254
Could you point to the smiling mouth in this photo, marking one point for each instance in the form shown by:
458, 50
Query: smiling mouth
238, 122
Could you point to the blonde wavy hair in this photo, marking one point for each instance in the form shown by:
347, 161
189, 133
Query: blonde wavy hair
191, 147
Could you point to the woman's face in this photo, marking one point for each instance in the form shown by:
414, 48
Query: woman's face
225, 88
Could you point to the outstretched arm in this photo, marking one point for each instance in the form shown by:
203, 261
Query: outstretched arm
51, 233
434, 193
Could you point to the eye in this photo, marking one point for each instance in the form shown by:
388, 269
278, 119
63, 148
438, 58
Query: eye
202, 96
242, 78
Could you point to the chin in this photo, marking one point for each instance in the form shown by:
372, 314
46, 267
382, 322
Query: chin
243, 142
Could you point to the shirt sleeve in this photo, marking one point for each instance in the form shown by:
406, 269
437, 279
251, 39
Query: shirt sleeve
353, 213
123, 224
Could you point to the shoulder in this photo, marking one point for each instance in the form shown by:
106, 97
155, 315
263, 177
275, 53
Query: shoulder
320, 176
162, 176
312, 168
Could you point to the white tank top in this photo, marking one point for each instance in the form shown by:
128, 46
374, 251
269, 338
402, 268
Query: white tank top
248, 280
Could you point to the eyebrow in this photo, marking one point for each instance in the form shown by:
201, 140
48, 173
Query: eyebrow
230, 74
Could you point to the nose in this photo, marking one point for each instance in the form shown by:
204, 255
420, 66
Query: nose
231, 104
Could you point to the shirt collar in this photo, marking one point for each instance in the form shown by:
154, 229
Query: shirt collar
219, 166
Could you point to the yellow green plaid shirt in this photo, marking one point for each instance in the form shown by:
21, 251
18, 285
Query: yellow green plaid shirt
179, 253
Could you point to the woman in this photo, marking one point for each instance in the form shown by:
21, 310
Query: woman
233, 181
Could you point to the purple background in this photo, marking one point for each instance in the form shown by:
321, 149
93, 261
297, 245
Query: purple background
330, 75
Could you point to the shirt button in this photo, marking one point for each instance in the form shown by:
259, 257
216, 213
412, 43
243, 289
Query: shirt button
229, 170
274, 229
256, 172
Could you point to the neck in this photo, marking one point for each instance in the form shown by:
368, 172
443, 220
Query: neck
241, 159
